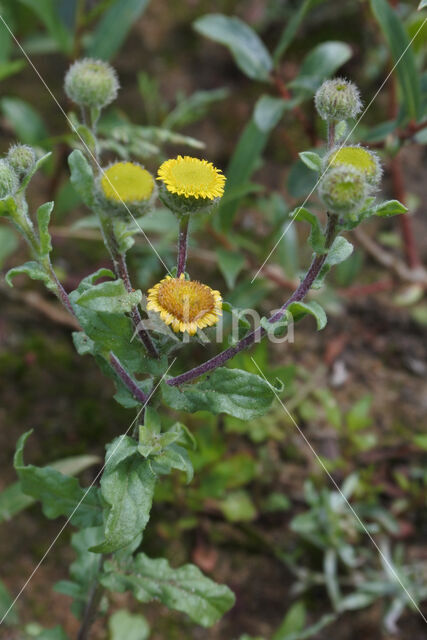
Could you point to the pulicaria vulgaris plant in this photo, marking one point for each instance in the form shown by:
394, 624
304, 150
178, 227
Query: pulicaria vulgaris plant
135, 339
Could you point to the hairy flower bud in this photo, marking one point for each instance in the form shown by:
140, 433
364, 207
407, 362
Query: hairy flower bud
21, 158
126, 187
359, 158
343, 189
8, 180
338, 99
91, 83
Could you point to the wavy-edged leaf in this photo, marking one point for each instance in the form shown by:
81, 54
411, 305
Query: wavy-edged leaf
313, 308
109, 297
44, 213
33, 270
82, 177
60, 495
185, 589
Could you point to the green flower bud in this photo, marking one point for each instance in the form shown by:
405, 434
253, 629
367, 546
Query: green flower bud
338, 99
359, 158
21, 158
8, 180
91, 83
126, 187
343, 189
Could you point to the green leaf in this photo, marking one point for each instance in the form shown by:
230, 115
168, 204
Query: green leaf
292, 27
8, 243
162, 448
82, 177
238, 507
311, 160
32, 269
230, 264
321, 63
421, 440
359, 415
6, 602
316, 238
114, 26
38, 165
248, 50
402, 54
390, 208
127, 487
47, 11
131, 626
109, 297
308, 632
24, 120
60, 495
238, 393
268, 111
301, 180
301, 309
341, 250
193, 107
13, 500
11, 68
43, 218
293, 622
185, 589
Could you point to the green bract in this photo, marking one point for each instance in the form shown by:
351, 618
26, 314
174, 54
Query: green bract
21, 158
91, 83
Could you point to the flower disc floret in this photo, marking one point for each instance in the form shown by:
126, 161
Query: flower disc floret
343, 190
359, 158
127, 182
8, 180
185, 305
91, 83
192, 178
338, 99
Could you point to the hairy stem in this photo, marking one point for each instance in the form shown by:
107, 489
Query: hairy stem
92, 606
257, 334
121, 270
127, 380
182, 244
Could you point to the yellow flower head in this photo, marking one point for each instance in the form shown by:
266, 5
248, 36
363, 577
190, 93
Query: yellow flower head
127, 182
186, 305
359, 158
192, 178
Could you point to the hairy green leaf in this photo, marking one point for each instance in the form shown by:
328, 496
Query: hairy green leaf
82, 177
127, 487
316, 237
239, 393
341, 249
33, 270
60, 495
301, 309
311, 160
44, 213
248, 50
109, 297
185, 589
390, 208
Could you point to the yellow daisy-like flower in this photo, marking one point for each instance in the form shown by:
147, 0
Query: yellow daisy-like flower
186, 305
127, 182
359, 158
192, 178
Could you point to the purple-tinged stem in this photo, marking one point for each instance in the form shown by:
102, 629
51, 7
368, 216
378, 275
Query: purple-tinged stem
251, 338
127, 380
182, 244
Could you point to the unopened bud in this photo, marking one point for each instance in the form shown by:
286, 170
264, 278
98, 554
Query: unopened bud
8, 180
21, 158
343, 189
338, 99
367, 162
91, 83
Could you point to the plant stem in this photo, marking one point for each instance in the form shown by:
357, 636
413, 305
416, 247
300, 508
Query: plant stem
127, 380
251, 338
121, 270
182, 244
331, 134
408, 236
92, 605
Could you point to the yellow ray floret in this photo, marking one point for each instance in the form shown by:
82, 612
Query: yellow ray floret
191, 177
186, 305
127, 182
